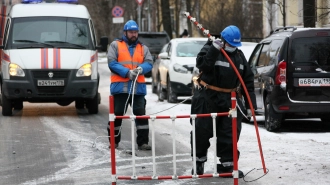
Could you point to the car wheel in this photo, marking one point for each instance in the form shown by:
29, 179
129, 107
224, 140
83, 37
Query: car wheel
80, 104
7, 107
160, 92
171, 96
153, 86
18, 105
93, 104
273, 120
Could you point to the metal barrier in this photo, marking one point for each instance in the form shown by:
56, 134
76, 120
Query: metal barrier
232, 113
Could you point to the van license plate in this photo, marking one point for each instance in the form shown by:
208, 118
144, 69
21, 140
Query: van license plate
50, 82
314, 81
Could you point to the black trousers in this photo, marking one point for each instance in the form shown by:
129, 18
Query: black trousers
202, 103
142, 125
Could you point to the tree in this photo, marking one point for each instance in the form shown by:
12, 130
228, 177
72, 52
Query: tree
309, 13
165, 6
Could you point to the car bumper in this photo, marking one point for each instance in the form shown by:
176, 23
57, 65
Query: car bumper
181, 89
26, 88
282, 104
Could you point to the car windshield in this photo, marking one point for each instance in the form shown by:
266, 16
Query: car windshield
32, 32
312, 49
189, 48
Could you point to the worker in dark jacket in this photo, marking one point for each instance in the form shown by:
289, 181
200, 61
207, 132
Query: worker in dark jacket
216, 82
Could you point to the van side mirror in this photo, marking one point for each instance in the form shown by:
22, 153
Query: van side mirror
104, 41
1, 47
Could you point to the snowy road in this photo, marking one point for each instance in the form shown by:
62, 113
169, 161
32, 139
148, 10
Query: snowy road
50, 144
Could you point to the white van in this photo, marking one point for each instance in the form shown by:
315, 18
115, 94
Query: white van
49, 54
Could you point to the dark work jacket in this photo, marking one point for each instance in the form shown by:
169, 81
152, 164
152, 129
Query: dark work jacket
217, 71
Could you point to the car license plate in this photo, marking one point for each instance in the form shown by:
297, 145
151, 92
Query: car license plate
50, 82
314, 81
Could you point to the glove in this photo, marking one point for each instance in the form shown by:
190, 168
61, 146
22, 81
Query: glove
131, 74
217, 43
248, 113
138, 70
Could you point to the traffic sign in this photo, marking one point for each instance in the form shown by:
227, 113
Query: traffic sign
139, 2
117, 11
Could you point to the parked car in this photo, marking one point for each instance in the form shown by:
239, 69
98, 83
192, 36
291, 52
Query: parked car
247, 48
155, 41
292, 74
172, 70
155, 70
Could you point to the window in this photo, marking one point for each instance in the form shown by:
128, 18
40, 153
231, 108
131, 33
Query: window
311, 49
274, 49
189, 49
264, 56
55, 31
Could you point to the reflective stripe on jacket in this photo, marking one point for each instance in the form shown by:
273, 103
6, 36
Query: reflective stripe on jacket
125, 58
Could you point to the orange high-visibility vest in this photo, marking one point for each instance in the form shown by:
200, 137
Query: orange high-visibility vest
124, 58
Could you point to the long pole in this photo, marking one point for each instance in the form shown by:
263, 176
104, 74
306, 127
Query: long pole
139, 16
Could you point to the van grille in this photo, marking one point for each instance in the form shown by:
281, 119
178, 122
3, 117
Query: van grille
44, 74
50, 90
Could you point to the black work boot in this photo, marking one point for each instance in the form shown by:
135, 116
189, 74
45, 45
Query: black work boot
199, 168
228, 169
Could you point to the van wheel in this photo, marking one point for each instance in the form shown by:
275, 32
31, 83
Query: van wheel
171, 96
273, 120
80, 104
18, 105
7, 106
93, 104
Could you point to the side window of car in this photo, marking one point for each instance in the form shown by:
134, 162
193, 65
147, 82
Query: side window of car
275, 47
254, 57
264, 56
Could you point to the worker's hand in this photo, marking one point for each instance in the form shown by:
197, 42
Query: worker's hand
138, 70
248, 114
132, 74
217, 43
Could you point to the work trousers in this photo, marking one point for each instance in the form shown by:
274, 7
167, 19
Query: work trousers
203, 103
142, 125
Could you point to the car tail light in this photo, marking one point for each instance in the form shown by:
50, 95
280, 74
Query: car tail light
280, 73
284, 108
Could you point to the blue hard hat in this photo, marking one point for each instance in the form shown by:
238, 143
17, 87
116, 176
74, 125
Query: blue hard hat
232, 35
131, 26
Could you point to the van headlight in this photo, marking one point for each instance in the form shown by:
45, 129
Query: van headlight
179, 68
16, 70
85, 70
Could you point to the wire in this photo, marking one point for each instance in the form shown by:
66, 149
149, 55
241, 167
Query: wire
129, 94
267, 170
172, 106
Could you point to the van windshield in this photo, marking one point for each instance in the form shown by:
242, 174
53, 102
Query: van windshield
311, 50
49, 32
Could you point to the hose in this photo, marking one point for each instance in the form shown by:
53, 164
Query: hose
207, 33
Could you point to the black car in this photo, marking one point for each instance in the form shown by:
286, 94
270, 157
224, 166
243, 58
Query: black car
155, 41
292, 75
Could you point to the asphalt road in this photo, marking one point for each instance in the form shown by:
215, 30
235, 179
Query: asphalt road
49, 144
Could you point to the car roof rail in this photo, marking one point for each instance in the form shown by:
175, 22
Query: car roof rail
285, 28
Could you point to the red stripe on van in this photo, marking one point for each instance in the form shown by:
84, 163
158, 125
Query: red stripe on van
57, 58
93, 58
44, 58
